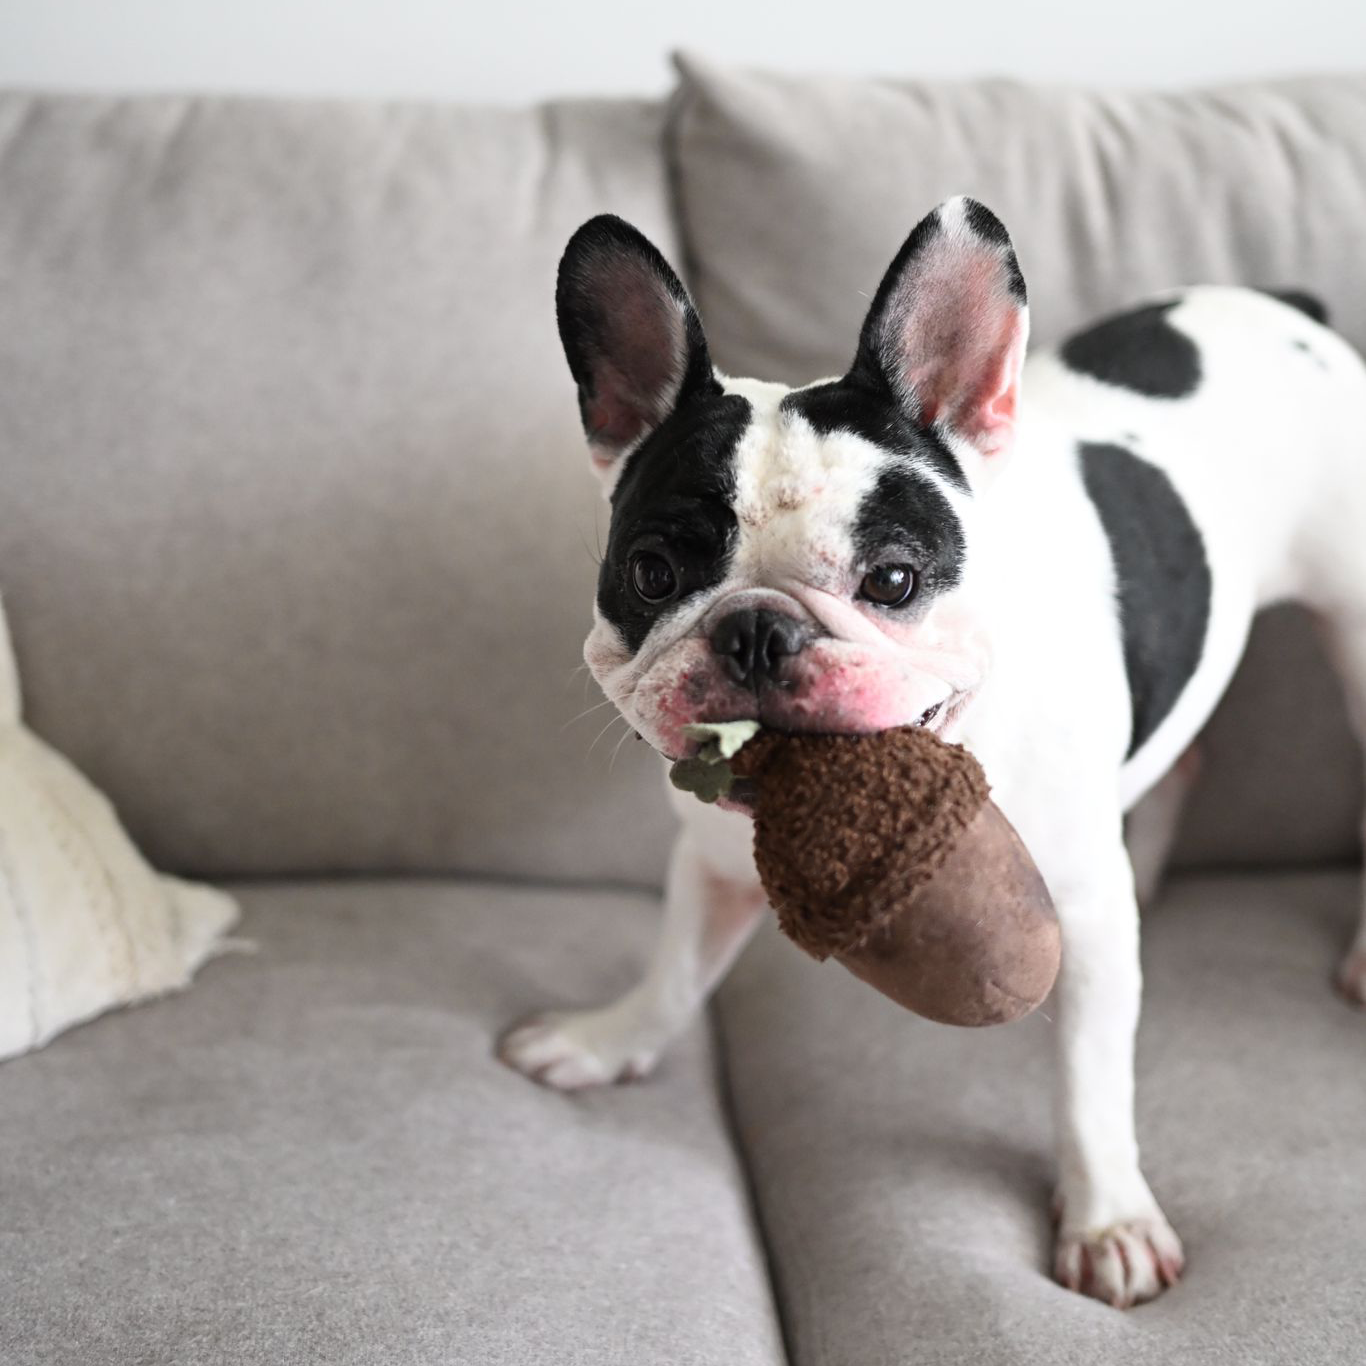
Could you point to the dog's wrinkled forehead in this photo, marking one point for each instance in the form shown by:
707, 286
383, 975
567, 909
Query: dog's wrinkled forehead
826, 484
759, 485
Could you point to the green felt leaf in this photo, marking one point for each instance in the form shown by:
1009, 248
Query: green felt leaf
708, 774
729, 737
705, 779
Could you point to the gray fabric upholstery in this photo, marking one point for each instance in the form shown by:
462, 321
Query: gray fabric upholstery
313, 1157
297, 539
903, 1169
297, 534
318, 341
1281, 775
795, 193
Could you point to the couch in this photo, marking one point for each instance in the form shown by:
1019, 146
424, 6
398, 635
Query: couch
298, 543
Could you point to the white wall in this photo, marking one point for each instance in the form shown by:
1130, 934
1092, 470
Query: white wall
496, 49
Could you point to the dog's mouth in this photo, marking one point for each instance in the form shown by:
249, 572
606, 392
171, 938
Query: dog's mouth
943, 716
927, 717
936, 718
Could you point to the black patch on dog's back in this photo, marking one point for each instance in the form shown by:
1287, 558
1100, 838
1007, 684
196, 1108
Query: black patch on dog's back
907, 519
1139, 350
1308, 304
870, 410
1162, 579
675, 492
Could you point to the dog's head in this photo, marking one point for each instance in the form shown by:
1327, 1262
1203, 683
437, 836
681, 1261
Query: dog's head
802, 557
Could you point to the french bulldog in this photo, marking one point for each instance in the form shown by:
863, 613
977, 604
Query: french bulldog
1064, 586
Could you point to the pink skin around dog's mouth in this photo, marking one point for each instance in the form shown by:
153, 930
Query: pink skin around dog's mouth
933, 718
833, 688
854, 678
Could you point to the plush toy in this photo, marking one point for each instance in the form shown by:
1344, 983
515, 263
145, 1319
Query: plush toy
885, 852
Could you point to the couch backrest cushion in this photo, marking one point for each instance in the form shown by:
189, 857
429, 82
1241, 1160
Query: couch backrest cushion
794, 194
297, 531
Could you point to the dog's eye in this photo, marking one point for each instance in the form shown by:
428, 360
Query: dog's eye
653, 577
889, 585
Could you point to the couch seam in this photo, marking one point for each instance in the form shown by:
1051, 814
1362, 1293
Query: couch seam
520, 881
726, 1103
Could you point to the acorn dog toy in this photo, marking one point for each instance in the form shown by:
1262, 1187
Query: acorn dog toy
886, 852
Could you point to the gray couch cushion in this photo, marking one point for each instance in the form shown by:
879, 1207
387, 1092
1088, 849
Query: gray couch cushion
903, 1169
297, 533
1281, 781
795, 193
313, 1157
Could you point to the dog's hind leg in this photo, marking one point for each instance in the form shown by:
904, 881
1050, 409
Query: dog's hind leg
1150, 829
1345, 634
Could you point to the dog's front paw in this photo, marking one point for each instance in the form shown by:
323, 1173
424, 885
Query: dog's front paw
1351, 978
1123, 1265
571, 1050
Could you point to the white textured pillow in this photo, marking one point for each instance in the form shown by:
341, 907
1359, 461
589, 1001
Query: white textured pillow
85, 923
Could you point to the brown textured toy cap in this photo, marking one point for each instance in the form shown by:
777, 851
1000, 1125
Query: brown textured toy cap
839, 817
886, 852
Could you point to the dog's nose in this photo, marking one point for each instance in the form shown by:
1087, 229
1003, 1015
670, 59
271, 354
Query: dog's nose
754, 642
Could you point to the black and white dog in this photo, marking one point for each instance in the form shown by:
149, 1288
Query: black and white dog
1063, 586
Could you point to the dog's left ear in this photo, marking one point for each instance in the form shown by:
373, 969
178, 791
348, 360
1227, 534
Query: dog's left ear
948, 326
631, 335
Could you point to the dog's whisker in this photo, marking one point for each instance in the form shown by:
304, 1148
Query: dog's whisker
581, 670
604, 731
612, 761
588, 711
588, 550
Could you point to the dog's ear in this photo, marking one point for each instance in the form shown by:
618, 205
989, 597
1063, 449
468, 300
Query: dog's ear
630, 333
948, 325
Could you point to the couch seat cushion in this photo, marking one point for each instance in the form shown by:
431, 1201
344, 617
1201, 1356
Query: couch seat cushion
903, 1169
314, 1158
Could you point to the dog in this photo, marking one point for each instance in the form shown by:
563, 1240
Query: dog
1063, 586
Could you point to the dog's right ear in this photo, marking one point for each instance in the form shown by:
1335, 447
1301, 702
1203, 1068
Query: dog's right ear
631, 335
947, 329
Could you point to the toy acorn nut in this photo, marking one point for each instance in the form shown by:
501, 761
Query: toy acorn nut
885, 852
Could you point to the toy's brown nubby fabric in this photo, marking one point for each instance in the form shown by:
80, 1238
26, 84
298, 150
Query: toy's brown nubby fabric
903, 797
886, 852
